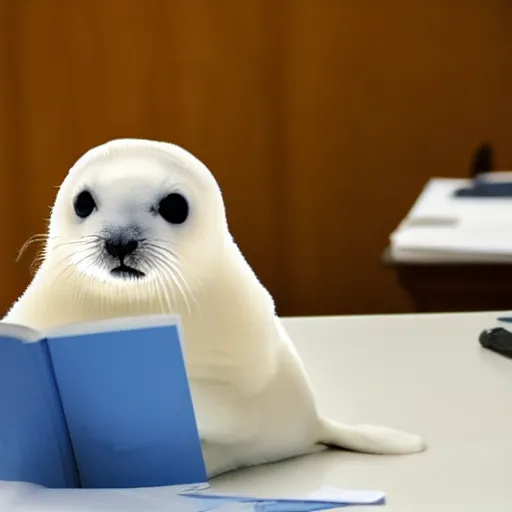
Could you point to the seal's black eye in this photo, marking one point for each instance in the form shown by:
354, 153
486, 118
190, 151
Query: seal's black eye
84, 204
174, 208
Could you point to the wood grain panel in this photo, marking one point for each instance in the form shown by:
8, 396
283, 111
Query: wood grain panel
12, 201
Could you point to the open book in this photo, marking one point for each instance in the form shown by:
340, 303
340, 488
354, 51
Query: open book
101, 405
99, 417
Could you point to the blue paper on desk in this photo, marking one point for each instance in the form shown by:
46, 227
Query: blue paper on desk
325, 498
91, 413
30, 498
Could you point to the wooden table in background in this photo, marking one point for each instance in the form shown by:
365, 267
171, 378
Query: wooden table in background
451, 286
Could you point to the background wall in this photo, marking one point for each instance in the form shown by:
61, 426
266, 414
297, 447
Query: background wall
321, 119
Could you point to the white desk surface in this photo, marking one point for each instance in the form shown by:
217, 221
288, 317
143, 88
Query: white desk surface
426, 374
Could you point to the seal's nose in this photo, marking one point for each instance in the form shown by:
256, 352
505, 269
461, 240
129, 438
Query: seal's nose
120, 249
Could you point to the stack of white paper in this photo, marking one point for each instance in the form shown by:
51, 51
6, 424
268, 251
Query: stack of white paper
443, 227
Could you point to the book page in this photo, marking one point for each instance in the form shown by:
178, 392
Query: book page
112, 324
34, 444
128, 407
19, 332
492, 240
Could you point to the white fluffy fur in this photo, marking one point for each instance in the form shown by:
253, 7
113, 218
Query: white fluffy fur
252, 397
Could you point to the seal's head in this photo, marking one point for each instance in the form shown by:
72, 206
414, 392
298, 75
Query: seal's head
136, 213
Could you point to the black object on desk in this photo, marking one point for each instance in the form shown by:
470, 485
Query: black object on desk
481, 189
482, 160
483, 163
498, 340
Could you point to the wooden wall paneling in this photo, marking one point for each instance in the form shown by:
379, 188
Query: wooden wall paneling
379, 98
13, 211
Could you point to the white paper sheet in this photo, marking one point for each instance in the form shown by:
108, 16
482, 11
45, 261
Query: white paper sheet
440, 225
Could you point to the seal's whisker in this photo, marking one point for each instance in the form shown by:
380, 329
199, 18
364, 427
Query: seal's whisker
157, 269
165, 243
154, 288
200, 284
77, 242
137, 298
92, 280
159, 249
186, 285
163, 252
163, 298
36, 262
171, 307
163, 265
40, 237
45, 237
163, 283
172, 274
65, 271
64, 258
162, 248
74, 265
93, 235
160, 287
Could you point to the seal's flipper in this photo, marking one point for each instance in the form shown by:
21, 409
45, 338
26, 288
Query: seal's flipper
369, 439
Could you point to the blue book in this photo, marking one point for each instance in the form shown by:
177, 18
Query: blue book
98, 405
